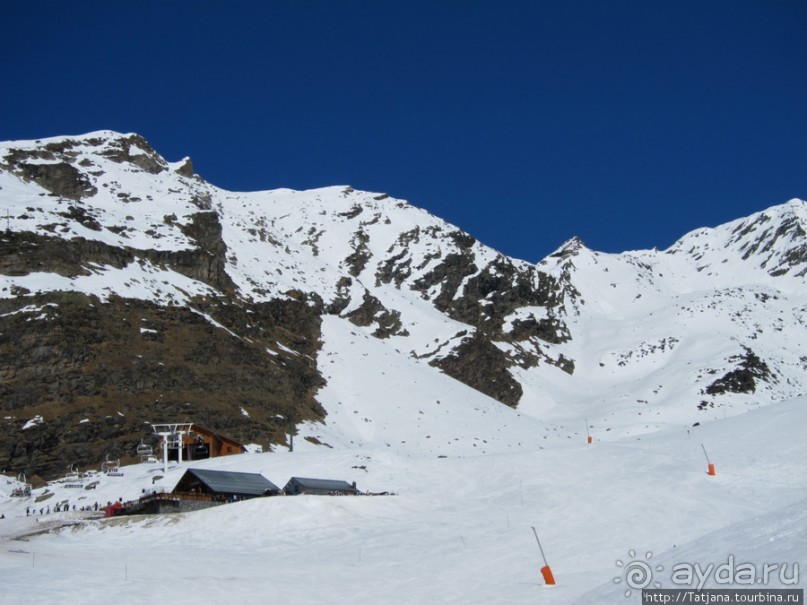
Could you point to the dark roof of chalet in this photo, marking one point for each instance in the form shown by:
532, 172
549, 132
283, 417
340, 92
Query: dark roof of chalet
229, 482
322, 484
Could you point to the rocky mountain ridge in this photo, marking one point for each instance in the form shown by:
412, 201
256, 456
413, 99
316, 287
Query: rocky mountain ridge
133, 290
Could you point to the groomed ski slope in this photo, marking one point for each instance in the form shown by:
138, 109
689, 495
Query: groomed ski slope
471, 478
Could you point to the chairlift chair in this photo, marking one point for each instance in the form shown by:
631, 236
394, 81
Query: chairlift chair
144, 450
110, 466
25, 488
73, 478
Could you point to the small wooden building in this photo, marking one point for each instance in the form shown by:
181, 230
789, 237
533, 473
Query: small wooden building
225, 485
202, 443
321, 487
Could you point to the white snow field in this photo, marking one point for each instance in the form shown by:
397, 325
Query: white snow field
471, 478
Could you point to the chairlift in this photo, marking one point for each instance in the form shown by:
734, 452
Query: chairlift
72, 478
172, 438
111, 467
24, 490
144, 450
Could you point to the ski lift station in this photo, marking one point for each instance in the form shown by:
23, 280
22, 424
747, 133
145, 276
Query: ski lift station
189, 441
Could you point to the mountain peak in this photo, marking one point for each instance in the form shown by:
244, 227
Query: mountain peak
770, 243
571, 247
73, 167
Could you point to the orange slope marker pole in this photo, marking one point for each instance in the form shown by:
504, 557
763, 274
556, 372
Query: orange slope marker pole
711, 466
545, 570
588, 436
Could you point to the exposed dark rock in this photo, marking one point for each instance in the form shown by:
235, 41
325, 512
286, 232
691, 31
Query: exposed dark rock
202, 201
186, 169
352, 213
357, 261
481, 365
484, 299
548, 329
81, 215
22, 253
565, 364
449, 275
742, 379
569, 249
395, 268
68, 358
137, 151
463, 240
498, 290
372, 312
342, 299
61, 179
209, 266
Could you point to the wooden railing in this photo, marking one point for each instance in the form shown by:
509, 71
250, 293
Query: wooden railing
166, 496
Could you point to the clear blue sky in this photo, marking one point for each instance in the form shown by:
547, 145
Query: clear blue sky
625, 122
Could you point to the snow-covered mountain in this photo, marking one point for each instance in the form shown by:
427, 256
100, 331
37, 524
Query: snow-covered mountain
134, 291
412, 359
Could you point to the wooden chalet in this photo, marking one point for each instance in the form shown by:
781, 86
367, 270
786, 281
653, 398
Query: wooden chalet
202, 443
198, 489
225, 486
321, 487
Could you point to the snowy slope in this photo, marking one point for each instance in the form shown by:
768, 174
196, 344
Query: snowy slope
458, 530
652, 331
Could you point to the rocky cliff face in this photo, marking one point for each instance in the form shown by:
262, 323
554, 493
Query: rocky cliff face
100, 337
96, 366
134, 292
98, 371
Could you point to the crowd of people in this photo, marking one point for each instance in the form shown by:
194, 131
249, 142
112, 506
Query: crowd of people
65, 507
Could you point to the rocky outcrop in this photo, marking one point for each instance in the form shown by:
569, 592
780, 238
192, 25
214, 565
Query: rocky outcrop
186, 169
478, 363
485, 299
60, 179
372, 312
357, 261
208, 263
743, 379
96, 372
135, 150
22, 253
